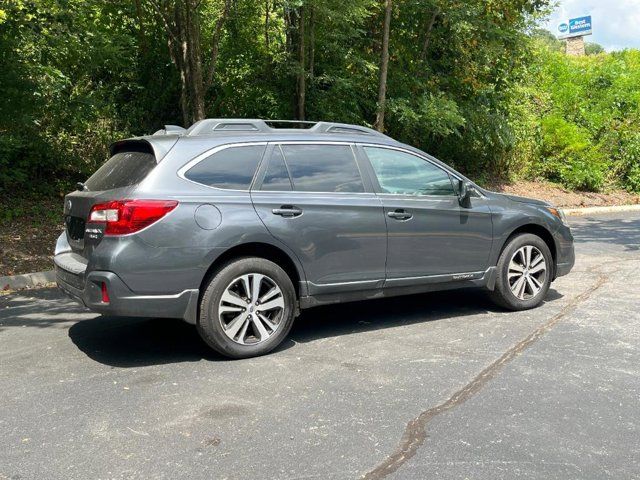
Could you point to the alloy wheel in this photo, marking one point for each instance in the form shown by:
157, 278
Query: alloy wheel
251, 309
527, 272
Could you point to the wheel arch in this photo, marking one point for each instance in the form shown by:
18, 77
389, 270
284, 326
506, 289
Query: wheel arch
540, 231
261, 250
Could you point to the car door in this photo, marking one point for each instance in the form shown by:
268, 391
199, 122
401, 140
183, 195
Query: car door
429, 233
313, 198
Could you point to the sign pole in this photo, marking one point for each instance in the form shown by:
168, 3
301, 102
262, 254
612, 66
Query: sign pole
575, 46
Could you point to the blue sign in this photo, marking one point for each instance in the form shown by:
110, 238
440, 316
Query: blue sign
575, 27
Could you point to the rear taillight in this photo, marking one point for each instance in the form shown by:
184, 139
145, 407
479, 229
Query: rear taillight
105, 292
121, 217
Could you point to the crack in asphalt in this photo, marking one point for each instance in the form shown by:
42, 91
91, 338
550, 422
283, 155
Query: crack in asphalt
415, 432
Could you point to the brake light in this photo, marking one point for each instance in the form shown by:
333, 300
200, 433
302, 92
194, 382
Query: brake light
128, 216
105, 293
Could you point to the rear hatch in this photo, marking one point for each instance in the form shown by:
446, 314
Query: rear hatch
130, 163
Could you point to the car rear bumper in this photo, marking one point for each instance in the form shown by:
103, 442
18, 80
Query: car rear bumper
86, 288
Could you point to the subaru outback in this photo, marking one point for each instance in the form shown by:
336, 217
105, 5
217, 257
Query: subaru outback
234, 225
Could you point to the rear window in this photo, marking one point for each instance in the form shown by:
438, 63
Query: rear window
121, 170
232, 168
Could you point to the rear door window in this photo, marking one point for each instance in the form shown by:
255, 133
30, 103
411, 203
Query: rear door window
323, 168
231, 168
122, 170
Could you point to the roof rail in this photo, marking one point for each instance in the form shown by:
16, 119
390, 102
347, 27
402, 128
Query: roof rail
211, 125
331, 127
226, 125
306, 124
170, 129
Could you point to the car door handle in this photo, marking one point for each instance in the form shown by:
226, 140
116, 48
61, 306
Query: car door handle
287, 211
400, 214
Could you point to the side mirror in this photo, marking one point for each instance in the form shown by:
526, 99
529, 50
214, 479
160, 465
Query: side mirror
464, 193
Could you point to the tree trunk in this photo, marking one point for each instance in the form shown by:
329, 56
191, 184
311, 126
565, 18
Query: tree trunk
184, 106
186, 56
312, 41
142, 37
384, 66
181, 20
176, 59
301, 66
266, 24
192, 36
288, 27
427, 36
182, 57
215, 43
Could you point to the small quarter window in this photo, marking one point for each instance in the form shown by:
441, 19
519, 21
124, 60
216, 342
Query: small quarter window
231, 168
276, 177
323, 168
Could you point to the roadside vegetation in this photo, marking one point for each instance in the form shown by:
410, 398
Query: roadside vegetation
470, 82
473, 82
581, 117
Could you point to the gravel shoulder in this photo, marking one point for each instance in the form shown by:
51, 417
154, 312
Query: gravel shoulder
564, 198
28, 236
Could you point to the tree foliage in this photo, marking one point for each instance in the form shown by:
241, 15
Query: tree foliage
468, 81
584, 118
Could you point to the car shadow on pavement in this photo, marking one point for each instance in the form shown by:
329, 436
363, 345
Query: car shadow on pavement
136, 342
348, 318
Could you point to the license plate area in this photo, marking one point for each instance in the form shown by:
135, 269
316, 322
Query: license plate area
75, 227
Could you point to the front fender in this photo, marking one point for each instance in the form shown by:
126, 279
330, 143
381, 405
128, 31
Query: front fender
507, 220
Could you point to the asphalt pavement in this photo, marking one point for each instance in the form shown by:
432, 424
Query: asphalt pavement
442, 385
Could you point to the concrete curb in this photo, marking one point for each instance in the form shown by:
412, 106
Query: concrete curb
27, 280
576, 212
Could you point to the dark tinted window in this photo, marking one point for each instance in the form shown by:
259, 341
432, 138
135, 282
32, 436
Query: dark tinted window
323, 168
121, 170
231, 168
277, 177
406, 174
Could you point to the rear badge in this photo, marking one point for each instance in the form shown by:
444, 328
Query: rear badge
93, 233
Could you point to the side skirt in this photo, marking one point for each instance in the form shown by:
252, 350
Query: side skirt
407, 286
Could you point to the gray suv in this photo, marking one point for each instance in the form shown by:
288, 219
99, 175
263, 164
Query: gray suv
234, 225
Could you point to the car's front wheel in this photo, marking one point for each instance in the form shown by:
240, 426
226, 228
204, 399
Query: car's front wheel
247, 308
524, 273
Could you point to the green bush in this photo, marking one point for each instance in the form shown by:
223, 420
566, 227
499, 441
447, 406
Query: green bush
631, 162
569, 157
586, 115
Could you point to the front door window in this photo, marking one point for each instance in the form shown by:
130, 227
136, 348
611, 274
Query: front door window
401, 173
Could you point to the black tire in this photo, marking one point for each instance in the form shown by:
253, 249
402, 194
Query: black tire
210, 325
502, 294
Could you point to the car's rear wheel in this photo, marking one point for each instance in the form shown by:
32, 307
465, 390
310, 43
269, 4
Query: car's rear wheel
247, 308
524, 273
